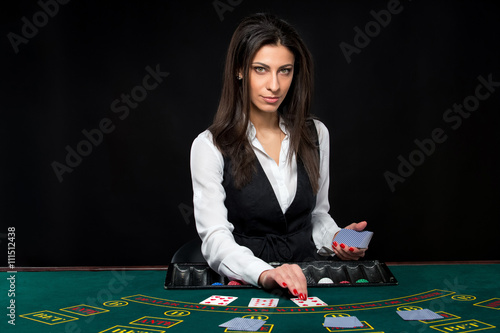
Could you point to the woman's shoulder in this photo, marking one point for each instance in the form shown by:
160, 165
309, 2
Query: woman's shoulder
203, 146
322, 130
205, 140
205, 136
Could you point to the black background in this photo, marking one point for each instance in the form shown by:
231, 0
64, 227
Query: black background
129, 201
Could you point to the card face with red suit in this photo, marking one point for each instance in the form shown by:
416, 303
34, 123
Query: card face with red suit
310, 301
218, 300
263, 302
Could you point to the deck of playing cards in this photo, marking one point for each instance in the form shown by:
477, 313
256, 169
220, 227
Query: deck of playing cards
359, 239
219, 300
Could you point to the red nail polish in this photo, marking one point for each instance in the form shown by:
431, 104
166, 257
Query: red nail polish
284, 285
295, 292
335, 244
351, 249
342, 245
302, 297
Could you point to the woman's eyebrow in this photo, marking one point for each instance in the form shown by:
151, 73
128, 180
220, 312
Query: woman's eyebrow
267, 66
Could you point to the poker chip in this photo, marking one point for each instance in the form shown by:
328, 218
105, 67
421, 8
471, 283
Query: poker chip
234, 283
325, 280
217, 284
362, 281
345, 282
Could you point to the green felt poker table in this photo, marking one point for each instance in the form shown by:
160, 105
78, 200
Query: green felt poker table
466, 295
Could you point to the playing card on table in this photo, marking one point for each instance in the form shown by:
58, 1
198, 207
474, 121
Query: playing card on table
218, 300
359, 239
243, 324
424, 314
310, 301
263, 302
343, 322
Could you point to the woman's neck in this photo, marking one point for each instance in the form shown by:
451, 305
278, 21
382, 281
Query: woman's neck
264, 120
268, 132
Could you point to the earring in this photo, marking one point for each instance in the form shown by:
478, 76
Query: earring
239, 77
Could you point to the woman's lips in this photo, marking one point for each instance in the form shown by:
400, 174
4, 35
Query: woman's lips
270, 99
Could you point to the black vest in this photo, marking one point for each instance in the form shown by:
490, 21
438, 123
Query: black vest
259, 222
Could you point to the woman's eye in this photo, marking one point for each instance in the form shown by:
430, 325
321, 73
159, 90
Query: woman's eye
285, 71
260, 69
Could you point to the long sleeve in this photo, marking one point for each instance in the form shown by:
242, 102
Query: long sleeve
219, 248
324, 227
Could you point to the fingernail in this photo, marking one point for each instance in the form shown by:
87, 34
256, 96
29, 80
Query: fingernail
295, 292
351, 249
284, 284
302, 297
342, 245
335, 244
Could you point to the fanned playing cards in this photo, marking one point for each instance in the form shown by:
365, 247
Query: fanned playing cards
342, 322
424, 314
243, 324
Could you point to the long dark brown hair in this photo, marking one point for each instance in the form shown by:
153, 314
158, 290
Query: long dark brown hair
229, 128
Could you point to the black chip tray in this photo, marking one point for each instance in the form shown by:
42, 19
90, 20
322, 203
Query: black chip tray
342, 273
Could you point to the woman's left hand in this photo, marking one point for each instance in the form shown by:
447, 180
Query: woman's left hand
346, 252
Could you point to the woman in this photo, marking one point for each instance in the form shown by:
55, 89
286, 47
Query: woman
261, 171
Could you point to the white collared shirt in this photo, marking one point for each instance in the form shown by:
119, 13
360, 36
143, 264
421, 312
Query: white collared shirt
280, 176
221, 251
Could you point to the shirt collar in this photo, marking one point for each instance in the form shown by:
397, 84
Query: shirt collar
252, 132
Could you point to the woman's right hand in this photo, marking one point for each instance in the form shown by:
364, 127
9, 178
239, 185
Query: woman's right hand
285, 276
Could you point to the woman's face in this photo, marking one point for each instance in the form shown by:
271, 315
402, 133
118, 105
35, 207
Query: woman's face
270, 76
